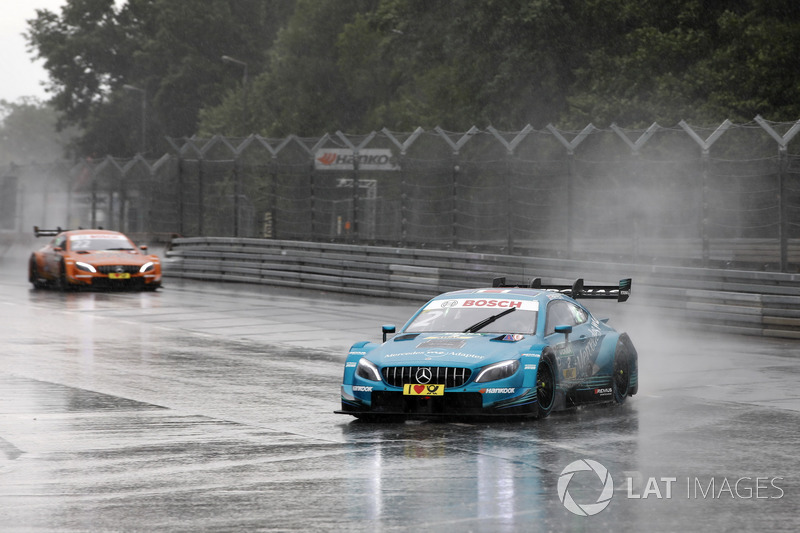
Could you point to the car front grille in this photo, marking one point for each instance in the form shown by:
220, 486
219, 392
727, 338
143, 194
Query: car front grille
397, 376
108, 269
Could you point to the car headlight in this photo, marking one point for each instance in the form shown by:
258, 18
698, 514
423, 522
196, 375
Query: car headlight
147, 267
496, 371
86, 267
367, 370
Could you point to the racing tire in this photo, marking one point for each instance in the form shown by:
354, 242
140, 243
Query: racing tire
621, 375
33, 275
61, 281
545, 387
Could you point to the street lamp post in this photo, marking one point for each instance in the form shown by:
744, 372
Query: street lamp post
229, 59
144, 113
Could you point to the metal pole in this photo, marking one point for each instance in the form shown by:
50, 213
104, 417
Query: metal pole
570, 199
354, 224
403, 205
236, 188
510, 206
200, 195
706, 243
454, 211
783, 227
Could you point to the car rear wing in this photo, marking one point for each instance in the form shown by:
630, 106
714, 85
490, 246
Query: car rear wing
620, 292
39, 232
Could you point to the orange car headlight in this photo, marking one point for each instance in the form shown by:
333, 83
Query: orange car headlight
147, 267
86, 267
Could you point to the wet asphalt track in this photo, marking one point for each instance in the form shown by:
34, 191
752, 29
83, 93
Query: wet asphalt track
209, 407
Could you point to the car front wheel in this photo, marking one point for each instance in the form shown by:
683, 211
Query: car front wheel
33, 275
545, 386
621, 377
61, 281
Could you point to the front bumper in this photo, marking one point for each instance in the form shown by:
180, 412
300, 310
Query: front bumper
519, 402
103, 281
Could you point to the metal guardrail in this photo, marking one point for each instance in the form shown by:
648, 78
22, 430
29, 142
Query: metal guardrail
735, 301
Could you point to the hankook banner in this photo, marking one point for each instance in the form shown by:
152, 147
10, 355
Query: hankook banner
343, 159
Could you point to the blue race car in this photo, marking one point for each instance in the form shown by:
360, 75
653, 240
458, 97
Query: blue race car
499, 351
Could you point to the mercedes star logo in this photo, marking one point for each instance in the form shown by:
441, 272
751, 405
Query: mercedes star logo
424, 375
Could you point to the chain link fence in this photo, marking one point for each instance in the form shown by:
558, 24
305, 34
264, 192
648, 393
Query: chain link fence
726, 196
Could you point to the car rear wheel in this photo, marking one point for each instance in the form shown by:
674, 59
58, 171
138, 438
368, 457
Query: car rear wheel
545, 386
621, 377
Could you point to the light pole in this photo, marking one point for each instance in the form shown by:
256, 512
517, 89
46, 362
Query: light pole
144, 113
229, 59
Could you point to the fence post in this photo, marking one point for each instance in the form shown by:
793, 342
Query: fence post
200, 195
148, 195
273, 204
403, 203
570, 200
180, 195
509, 205
354, 224
705, 146
70, 192
123, 227
236, 192
706, 246
570, 146
783, 223
312, 195
783, 171
633, 173
454, 216
94, 198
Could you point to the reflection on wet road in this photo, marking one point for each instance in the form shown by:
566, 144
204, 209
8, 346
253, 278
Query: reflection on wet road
210, 408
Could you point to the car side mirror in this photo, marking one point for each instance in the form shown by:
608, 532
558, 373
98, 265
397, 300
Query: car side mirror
143, 247
387, 330
566, 330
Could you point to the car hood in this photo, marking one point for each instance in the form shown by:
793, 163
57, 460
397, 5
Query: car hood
450, 349
111, 257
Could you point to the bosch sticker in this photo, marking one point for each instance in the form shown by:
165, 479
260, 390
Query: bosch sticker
488, 303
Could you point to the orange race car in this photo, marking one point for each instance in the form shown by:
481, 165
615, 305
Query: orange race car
92, 258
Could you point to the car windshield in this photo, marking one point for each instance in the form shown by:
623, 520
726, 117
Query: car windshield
96, 243
458, 315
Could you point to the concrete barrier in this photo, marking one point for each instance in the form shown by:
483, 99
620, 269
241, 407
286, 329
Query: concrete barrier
736, 301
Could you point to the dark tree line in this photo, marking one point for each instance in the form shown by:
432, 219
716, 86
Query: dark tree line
318, 66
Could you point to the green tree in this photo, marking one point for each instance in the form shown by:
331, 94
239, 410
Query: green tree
170, 49
667, 60
28, 133
319, 66
301, 89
